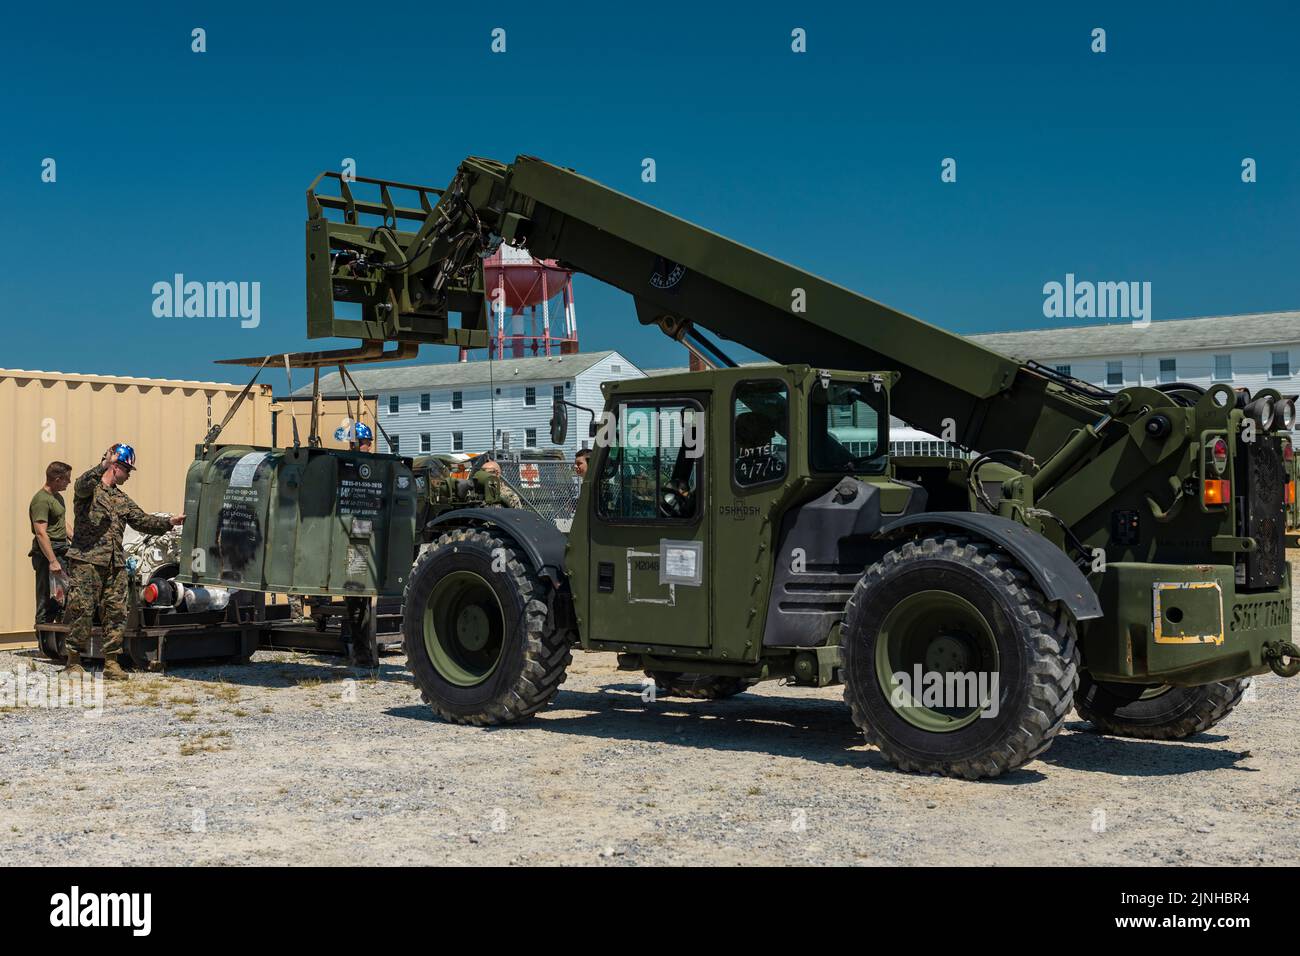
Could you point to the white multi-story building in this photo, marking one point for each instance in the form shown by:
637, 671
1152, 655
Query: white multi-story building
480, 405
1246, 351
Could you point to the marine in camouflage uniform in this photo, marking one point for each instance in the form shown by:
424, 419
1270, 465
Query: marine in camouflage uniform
97, 563
507, 497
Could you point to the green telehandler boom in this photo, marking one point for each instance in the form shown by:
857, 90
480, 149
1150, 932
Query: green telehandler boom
1119, 552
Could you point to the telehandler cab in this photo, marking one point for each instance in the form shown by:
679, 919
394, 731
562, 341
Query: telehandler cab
1119, 552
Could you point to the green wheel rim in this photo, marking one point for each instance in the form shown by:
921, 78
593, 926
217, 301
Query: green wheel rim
943, 634
464, 628
1159, 690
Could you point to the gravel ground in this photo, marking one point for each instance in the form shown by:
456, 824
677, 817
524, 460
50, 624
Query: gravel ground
295, 759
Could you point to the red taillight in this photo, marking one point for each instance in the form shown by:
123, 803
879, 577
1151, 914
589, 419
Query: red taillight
1219, 454
1289, 494
1216, 492
150, 593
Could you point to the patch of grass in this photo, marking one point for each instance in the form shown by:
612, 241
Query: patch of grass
226, 692
309, 682
211, 741
238, 712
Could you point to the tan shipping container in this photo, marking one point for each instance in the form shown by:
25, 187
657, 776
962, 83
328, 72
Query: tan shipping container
50, 416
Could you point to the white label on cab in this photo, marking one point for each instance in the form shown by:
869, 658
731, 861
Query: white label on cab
680, 562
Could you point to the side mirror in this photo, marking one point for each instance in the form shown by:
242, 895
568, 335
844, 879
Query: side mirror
559, 423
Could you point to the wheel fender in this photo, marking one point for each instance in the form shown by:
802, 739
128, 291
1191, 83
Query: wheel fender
540, 540
1056, 575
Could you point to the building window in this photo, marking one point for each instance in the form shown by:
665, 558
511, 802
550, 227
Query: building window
615, 369
457, 441
394, 444
457, 401
1063, 369
1114, 373
424, 401
425, 443
1281, 364
392, 404
530, 396
1223, 368
530, 437
1168, 370
557, 394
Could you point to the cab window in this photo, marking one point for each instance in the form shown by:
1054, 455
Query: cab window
760, 450
651, 470
848, 429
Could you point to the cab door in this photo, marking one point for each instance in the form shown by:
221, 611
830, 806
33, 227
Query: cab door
648, 537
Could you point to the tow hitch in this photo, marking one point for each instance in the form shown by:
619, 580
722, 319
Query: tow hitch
1276, 652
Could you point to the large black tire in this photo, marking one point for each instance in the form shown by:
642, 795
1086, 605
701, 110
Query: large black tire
455, 677
1172, 713
698, 686
1029, 642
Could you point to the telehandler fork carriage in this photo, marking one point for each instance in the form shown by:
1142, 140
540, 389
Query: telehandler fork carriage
1119, 552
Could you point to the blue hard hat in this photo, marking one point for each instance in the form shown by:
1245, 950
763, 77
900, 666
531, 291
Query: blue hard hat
364, 433
123, 455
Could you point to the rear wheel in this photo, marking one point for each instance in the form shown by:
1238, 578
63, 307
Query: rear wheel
50, 645
1157, 712
954, 662
698, 686
476, 634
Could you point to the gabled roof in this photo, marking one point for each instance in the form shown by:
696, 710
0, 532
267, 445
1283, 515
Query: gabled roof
1124, 338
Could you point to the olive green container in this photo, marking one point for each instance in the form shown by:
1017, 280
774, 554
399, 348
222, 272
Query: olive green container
299, 521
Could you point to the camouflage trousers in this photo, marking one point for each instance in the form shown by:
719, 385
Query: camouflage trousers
94, 588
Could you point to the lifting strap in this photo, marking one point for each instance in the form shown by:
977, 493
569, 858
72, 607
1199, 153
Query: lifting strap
346, 376
292, 417
215, 432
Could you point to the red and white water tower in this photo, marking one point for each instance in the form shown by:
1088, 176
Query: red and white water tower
517, 285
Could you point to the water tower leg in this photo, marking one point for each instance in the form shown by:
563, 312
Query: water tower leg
546, 316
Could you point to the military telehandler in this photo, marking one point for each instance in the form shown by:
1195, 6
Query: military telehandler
1121, 552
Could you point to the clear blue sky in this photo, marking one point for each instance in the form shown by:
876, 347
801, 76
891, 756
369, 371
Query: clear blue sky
1119, 166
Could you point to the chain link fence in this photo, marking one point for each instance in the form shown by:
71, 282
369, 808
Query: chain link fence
548, 486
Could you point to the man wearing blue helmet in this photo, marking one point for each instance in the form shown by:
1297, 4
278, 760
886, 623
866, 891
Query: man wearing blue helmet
97, 564
363, 439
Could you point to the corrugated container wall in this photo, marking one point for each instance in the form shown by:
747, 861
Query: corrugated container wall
49, 416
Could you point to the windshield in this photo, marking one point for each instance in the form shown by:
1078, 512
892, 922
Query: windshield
849, 429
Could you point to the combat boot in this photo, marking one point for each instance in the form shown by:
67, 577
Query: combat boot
73, 665
113, 670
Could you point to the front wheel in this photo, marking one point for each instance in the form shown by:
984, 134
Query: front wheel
475, 631
954, 662
1157, 713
